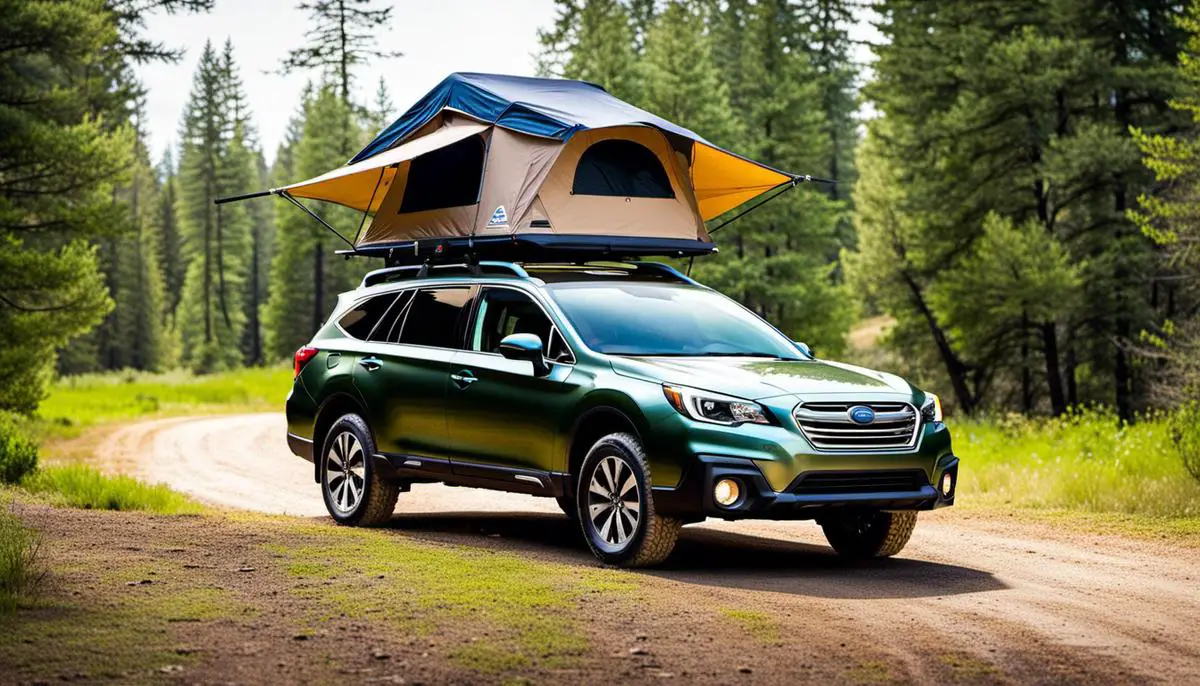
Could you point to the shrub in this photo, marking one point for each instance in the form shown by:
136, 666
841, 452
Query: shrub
20, 565
76, 485
1185, 434
18, 450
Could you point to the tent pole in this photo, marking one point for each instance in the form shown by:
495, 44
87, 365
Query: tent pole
370, 202
312, 214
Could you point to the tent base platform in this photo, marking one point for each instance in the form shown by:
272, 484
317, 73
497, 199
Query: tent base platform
531, 248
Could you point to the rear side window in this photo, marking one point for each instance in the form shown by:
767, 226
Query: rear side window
435, 317
388, 329
360, 320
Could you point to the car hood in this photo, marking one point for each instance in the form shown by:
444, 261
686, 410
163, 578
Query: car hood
758, 378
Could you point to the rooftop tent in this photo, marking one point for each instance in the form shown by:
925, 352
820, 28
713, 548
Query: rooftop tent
485, 156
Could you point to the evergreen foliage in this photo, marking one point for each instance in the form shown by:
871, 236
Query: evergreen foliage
996, 117
341, 36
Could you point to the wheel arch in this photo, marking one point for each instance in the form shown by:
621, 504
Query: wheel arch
334, 407
599, 420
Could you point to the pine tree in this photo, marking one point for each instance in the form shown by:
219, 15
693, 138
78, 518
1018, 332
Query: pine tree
994, 108
342, 35
306, 276
214, 161
682, 82
133, 335
170, 245
592, 40
778, 261
65, 148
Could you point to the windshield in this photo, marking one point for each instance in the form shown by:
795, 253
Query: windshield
666, 319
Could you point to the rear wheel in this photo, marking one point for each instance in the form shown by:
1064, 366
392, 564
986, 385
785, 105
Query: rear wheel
615, 505
863, 534
354, 493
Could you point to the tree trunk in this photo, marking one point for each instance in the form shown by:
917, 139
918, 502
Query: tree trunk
1058, 401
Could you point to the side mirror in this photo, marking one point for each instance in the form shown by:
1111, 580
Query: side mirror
803, 347
525, 346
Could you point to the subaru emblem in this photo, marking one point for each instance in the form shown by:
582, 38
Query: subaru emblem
861, 414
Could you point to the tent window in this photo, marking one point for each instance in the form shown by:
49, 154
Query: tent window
621, 168
446, 177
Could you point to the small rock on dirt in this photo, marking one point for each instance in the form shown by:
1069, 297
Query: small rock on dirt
246, 569
638, 650
745, 669
379, 654
171, 669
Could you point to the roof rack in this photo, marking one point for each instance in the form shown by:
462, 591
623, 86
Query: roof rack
531, 248
414, 271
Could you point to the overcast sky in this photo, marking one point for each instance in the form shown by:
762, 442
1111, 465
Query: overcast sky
437, 37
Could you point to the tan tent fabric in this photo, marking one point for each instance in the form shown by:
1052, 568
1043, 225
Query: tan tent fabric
355, 184
723, 181
616, 216
390, 225
515, 169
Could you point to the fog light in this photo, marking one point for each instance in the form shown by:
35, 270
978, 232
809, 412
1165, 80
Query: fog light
947, 484
727, 492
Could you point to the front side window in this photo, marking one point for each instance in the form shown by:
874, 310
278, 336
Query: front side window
667, 319
363, 317
434, 317
503, 311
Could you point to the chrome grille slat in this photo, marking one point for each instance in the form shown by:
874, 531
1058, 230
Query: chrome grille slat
827, 425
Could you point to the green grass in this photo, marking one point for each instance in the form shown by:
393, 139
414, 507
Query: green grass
760, 625
1084, 462
516, 612
77, 485
78, 402
20, 565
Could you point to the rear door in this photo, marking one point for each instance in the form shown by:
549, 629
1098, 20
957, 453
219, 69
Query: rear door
403, 371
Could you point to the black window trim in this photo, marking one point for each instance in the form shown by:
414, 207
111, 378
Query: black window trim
554, 327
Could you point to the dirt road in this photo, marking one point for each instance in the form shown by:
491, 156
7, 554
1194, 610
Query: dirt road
1023, 602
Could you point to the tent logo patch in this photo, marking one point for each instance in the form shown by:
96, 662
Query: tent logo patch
499, 218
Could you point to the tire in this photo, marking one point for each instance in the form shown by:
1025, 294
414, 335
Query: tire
624, 530
376, 498
865, 534
567, 504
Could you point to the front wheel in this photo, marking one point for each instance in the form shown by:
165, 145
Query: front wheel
355, 494
615, 505
863, 534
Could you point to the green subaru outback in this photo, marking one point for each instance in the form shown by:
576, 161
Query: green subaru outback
637, 397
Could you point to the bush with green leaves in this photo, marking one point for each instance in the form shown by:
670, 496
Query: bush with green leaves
18, 449
1185, 434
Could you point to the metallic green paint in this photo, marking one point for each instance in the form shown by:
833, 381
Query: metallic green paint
511, 419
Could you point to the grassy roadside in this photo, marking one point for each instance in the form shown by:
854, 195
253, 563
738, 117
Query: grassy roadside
79, 402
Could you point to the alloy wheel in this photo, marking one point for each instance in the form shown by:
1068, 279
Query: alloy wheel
345, 472
614, 502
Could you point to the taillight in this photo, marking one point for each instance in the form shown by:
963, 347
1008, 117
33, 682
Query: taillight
303, 355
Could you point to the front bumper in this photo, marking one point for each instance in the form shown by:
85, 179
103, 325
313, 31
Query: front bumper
811, 495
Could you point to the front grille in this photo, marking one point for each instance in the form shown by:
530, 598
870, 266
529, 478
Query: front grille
847, 483
828, 426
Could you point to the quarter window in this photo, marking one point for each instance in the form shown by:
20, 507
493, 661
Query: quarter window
388, 329
359, 321
434, 317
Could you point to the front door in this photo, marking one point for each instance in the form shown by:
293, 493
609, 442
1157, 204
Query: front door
500, 416
404, 368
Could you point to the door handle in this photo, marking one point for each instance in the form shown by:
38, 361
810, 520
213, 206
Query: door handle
370, 363
463, 378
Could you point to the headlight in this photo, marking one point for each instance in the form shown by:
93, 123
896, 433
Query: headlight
714, 408
931, 411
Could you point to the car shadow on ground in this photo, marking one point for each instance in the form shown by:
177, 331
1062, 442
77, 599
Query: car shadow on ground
713, 558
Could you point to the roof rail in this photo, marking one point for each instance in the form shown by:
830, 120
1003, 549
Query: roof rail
416, 271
